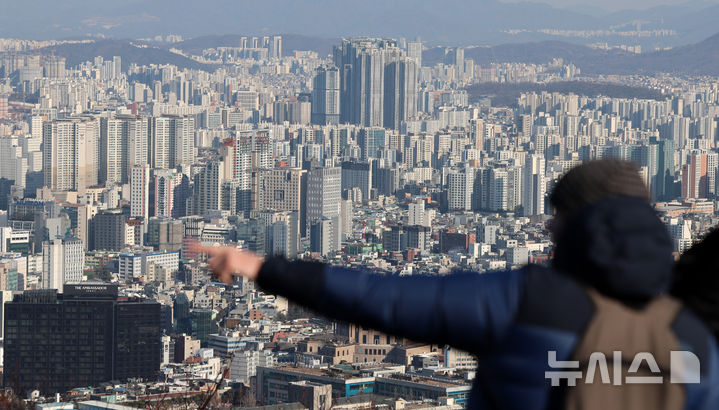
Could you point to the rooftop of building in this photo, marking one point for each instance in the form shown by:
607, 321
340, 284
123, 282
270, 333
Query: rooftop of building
423, 380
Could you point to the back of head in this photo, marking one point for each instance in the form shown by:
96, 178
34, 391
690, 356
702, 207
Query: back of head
595, 181
609, 236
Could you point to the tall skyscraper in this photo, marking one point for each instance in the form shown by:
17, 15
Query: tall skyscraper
699, 175
533, 186
159, 147
70, 153
285, 190
454, 56
460, 188
208, 187
283, 232
361, 62
326, 96
414, 51
400, 89
324, 188
135, 143
62, 262
505, 186
237, 156
378, 82
140, 192
275, 47
163, 187
663, 188
123, 144
182, 141
172, 141
111, 151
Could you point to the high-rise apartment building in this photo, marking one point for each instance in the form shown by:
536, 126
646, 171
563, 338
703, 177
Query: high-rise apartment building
172, 141
207, 194
367, 97
285, 190
111, 151
460, 189
324, 190
163, 189
533, 186
326, 96
140, 192
695, 176
414, 51
123, 144
400, 89
275, 47
70, 153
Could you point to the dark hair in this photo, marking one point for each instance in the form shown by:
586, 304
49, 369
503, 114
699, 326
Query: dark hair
696, 280
594, 181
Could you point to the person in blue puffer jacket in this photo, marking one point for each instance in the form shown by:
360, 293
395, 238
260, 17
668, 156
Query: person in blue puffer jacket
608, 239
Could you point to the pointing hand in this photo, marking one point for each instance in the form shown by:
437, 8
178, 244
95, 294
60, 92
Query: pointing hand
226, 262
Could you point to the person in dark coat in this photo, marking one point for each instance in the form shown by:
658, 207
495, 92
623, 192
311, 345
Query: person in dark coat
696, 280
609, 243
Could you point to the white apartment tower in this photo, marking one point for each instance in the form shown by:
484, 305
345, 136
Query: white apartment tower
140, 192
62, 262
70, 153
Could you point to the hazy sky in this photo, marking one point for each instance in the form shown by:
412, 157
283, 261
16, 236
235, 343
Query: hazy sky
612, 5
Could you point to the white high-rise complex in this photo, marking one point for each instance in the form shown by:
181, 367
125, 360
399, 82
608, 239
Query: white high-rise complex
70, 153
172, 141
123, 144
324, 190
140, 192
62, 262
460, 192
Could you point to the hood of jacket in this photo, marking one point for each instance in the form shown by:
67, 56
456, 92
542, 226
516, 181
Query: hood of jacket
618, 246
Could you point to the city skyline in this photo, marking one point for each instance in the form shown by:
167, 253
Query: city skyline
367, 152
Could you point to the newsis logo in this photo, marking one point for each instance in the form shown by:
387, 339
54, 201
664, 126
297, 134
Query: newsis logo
684, 369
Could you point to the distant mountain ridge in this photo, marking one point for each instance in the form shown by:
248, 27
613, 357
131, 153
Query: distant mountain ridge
448, 22
78, 53
696, 59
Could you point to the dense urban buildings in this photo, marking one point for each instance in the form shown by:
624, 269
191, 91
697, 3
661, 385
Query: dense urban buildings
380, 156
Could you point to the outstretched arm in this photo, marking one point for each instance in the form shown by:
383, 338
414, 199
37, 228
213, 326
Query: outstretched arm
466, 310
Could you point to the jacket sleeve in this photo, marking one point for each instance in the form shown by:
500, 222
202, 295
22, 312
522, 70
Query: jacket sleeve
466, 310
